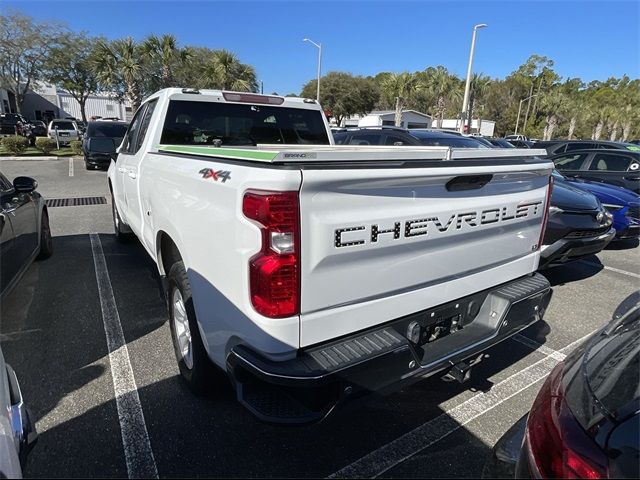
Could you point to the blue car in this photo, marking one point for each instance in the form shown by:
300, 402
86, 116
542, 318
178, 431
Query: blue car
622, 203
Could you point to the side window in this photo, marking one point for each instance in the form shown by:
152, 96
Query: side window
134, 126
578, 146
144, 125
570, 162
393, 140
359, 139
610, 162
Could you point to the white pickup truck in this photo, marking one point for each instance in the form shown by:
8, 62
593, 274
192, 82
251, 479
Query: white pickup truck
312, 274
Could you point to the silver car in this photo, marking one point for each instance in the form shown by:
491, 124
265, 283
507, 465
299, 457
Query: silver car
65, 131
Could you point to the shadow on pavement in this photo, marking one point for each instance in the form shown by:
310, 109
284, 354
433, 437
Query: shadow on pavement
573, 271
57, 346
625, 244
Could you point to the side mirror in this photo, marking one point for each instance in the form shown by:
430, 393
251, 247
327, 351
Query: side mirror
25, 184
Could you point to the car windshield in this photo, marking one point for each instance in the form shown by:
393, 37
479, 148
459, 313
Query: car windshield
62, 125
202, 123
110, 130
102, 145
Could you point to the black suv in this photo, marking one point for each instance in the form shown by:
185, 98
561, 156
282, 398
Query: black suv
391, 136
615, 167
554, 147
100, 142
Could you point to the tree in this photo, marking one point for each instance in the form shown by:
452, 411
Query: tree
401, 87
478, 88
223, 70
165, 51
344, 94
69, 65
122, 65
444, 87
24, 47
553, 105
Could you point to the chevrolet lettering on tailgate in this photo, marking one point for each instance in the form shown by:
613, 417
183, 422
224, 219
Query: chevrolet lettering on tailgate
420, 226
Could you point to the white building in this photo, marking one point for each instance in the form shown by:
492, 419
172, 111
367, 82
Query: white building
478, 125
46, 102
410, 119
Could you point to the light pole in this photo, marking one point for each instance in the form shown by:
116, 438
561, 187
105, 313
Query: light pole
467, 87
519, 109
319, 47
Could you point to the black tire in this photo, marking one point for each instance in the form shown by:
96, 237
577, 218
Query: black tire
46, 242
86, 165
118, 226
203, 377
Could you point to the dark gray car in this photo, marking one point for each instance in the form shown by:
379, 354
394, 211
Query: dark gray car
24, 229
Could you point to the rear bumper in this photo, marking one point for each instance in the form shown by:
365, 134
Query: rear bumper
566, 250
331, 375
98, 160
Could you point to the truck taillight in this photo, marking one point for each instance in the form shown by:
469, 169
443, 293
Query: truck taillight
545, 215
274, 272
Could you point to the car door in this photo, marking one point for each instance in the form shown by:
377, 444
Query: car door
131, 162
570, 164
621, 169
126, 149
24, 220
8, 264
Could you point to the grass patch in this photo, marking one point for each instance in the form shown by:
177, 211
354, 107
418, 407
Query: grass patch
34, 152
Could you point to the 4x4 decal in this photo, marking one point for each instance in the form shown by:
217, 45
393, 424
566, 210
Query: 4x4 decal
214, 175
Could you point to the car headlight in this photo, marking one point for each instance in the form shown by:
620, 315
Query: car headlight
611, 207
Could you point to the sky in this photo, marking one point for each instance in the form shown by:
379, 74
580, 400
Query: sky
592, 40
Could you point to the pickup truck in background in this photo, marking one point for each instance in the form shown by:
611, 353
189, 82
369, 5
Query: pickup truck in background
311, 274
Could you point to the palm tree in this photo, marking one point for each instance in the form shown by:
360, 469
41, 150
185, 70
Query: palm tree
479, 86
165, 50
554, 106
401, 87
445, 87
120, 64
225, 71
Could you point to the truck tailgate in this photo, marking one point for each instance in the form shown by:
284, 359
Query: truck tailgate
380, 243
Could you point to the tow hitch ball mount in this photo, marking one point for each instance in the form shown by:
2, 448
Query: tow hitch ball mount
461, 371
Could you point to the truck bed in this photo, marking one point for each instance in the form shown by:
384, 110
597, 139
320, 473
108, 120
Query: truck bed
286, 154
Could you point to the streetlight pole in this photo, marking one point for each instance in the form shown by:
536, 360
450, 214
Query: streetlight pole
319, 47
519, 109
467, 87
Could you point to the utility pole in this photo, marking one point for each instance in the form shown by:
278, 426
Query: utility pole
467, 87
319, 47
519, 109
526, 115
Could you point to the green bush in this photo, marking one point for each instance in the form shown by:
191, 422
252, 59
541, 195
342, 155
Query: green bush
76, 147
15, 144
45, 144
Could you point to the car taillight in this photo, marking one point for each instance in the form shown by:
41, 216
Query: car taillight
545, 215
556, 444
274, 272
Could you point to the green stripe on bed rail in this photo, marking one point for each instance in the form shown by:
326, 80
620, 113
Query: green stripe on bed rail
220, 152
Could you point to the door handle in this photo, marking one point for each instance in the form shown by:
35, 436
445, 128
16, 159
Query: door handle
132, 174
122, 170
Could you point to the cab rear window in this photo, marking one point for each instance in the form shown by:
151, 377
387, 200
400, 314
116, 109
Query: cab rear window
209, 123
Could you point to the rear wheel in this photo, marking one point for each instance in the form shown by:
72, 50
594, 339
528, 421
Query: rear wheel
123, 234
46, 242
201, 375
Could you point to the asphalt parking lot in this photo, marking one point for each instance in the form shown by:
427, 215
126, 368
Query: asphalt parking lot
52, 332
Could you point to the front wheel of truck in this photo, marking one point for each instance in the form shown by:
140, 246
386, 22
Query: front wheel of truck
195, 366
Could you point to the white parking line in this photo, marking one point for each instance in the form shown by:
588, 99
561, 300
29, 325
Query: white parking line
612, 269
388, 456
135, 438
71, 167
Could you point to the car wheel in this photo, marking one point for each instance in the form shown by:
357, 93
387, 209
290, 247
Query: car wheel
201, 375
46, 242
123, 234
86, 165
